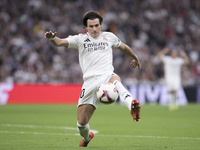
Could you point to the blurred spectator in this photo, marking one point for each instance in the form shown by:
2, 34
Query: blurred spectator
27, 57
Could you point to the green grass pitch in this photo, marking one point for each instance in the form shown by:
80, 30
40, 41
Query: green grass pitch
53, 127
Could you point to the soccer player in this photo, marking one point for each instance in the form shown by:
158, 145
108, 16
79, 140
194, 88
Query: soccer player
96, 61
172, 72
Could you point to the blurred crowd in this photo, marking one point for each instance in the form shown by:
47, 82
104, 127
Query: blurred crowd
147, 26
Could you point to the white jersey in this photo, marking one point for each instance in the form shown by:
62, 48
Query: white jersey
172, 68
95, 54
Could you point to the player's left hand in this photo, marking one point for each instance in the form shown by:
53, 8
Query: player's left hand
134, 63
182, 53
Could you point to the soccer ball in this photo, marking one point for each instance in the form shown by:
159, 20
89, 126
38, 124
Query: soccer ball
107, 93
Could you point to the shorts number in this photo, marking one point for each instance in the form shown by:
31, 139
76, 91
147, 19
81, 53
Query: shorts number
82, 93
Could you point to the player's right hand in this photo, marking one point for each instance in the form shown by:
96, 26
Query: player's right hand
135, 63
166, 49
50, 34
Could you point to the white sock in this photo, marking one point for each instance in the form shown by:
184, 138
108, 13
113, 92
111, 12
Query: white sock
176, 99
84, 131
172, 99
124, 95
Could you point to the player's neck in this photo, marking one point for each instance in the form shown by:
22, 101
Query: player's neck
94, 37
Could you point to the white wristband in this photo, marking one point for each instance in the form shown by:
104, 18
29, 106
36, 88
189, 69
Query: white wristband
52, 38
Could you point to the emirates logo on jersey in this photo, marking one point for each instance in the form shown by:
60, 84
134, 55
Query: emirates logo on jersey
92, 46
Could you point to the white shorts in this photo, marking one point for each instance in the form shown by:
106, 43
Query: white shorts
173, 84
88, 91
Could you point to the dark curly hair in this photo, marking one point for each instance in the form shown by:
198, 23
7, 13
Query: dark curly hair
91, 15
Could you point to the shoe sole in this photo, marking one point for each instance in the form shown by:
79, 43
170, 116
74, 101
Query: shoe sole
135, 109
91, 137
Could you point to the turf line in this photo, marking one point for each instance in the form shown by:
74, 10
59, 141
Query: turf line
36, 126
71, 128
158, 137
46, 127
124, 136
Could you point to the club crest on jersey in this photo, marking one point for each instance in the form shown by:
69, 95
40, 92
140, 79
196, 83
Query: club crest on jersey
105, 38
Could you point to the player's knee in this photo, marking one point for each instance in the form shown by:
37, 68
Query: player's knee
82, 121
84, 113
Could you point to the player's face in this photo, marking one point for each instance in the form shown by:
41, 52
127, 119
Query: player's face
174, 53
93, 27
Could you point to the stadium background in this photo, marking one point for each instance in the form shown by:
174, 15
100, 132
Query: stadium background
27, 58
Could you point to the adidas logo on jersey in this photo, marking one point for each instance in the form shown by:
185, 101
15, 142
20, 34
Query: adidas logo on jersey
87, 40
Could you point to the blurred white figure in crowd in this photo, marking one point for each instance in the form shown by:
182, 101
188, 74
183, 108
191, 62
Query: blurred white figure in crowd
172, 72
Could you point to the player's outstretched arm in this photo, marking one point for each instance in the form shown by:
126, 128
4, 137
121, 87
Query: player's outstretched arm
162, 53
55, 40
185, 57
128, 51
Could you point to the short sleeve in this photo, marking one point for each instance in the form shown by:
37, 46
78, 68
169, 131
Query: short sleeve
164, 58
181, 61
116, 41
73, 41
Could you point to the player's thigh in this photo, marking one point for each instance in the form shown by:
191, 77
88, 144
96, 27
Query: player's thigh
84, 113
